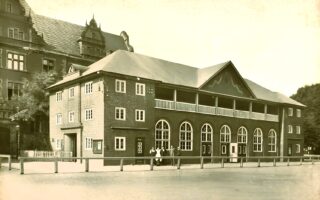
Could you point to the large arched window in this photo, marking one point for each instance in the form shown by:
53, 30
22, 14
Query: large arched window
257, 140
206, 133
162, 134
186, 136
272, 140
242, 135
225, 134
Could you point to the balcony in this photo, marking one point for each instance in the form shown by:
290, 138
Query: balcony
212, 110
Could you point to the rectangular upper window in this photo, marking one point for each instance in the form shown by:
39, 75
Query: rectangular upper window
140, 89
298, 148
59, 96
290, 129
120, 113
10, 32
14, 89
298, 113
16, 61
298, 129
120, 86
140, 115
88, 144
290, 112
71, 92
47, 65
88, 114
120, 143
71, 116
59, 119
88, 88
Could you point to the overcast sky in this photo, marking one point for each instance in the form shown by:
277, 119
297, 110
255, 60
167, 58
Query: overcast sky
274, 43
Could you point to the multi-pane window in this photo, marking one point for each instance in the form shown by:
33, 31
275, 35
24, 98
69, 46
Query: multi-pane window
15, 33
10, 32
162, 134
88, 88
272, 141
120, 86
88, 144
88, 114
15, 61
140, 89
120, 113
71, 116
71, 92
14, 89
242, 135
206, 133
298, 148
298, 129
290, 129
120, 143
59, 96
47, 65
298, 112
186, 136
59, 119
225, 134
290, 111
140, 115
257, 140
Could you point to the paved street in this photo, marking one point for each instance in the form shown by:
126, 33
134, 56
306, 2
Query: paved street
294, 182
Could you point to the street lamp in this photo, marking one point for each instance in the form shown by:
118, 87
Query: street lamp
18, 139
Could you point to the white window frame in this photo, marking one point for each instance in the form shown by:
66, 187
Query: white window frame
71, 92
290, 128
183, 136
88, 143
290, 112
59, 96
242, 135
88, 114
298, 148
16, 61
162, 134
118, 86
225, 134
258, 140
71, 116
117, 140
88, 87
140, 89
59, 118
298, 113
140, 115
206, 133
272, 141
121, 111
224, 149
298, 129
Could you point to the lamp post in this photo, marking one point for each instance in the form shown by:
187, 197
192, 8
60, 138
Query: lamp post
18, 139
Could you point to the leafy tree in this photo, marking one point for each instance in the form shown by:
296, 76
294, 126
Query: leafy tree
309, 96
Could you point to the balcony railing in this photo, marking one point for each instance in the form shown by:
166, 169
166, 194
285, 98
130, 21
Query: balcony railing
189, 107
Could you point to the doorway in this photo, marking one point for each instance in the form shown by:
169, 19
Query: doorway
4, 141
139, 149
71, 144
234, 152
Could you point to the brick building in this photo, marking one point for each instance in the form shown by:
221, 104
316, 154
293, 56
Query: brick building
31, 43
126, 103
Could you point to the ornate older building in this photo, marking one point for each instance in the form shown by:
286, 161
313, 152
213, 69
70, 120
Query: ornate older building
31, 43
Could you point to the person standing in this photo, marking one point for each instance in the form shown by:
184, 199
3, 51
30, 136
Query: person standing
158, 156
171, 151
163, 153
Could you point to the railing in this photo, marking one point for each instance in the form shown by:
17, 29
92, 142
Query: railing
165, 104
274, 118
8, 157
256, 160
46, 154
189, 107
258, 116
225, 112
207, 109
242, 114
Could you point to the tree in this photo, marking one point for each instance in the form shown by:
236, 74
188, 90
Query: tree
33, 110
309, 96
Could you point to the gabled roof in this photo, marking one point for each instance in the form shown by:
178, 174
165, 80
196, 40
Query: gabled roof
137, 65
62, 36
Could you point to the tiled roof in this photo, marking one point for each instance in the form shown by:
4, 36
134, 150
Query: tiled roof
137, 65
62, 36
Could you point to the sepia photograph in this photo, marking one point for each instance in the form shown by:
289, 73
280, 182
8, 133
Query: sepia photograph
160, 99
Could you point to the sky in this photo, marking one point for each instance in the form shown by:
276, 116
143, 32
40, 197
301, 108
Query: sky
273, 43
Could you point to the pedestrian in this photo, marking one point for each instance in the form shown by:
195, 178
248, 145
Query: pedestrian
178, 153
152, 152
163, 153
158, 156
171, 151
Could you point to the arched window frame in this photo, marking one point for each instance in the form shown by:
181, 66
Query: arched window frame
186, 136
242, 135
161, 139
206, 133
272, 141
257, 140
225, 134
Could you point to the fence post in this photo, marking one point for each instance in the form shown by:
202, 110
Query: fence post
201, 162
151, 164
288, 162
56, 165
9, 162
178, 163
222, 163
87, 164
21, 166
121, 164
274, 162
300, 160
241, 162
258, 162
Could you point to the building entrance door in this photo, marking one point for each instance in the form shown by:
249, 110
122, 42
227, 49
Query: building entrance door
234, 152
139, 152
4, 141
70, 144
206, 149
242, 150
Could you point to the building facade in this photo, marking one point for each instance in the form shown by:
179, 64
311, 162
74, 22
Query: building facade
31, 43
126, 103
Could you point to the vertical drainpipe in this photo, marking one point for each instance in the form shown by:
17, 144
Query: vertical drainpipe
80, 121
282, 136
